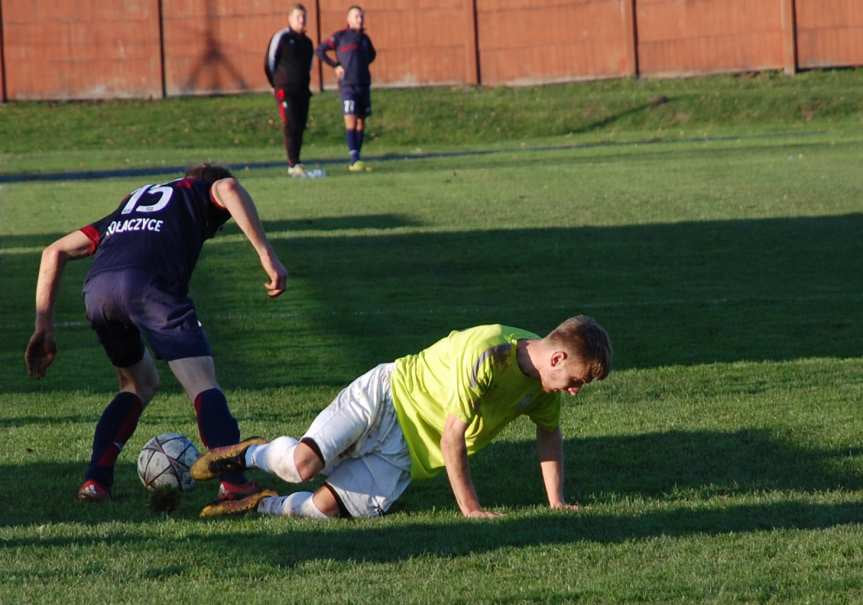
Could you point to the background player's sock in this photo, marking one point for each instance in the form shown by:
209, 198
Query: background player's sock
116, 425
360, 136
353, 146
217, 426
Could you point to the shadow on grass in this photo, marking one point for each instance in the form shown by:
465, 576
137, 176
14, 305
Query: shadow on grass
700, 464
296, 544
669, 294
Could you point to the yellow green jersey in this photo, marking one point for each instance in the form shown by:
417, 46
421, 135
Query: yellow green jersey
472, 374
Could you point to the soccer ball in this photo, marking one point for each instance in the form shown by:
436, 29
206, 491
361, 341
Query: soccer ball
164, 462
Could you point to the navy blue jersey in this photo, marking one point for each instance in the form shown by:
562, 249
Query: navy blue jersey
354, 52
158, 229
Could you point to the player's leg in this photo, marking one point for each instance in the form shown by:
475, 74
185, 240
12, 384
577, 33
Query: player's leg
342, 427
170, 324
358, 487
292, 120
137, 377
349, 111
282, 104
298, 116
363, 110
217, 427
378, 471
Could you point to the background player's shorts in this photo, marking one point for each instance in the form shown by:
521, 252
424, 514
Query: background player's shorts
367, 460
121, 305
356, 100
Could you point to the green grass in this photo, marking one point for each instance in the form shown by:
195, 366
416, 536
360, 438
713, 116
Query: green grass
720, 462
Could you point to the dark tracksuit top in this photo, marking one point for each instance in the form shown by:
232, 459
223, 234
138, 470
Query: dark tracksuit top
354, 52
289, 61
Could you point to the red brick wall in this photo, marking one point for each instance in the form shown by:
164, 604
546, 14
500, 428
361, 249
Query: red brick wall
84, 49
533, 41
681, 37
215, 46
62, 49
829, 32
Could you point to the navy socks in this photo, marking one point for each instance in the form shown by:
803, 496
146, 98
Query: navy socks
216, 425
116, 425
354, 139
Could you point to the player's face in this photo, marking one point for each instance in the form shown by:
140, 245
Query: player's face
355, 18
564, 374
297, 20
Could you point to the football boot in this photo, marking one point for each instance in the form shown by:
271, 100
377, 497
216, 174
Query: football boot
221, 508
225, 459
93, 491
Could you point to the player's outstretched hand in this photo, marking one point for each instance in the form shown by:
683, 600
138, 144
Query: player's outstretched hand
40, 353
482, 514
566, 506
278, 277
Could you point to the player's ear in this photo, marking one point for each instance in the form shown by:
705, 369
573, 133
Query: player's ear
558, 358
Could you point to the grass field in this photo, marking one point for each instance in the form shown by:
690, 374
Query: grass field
720, 462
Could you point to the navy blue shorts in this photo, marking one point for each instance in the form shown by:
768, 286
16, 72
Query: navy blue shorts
122, 305
356, 100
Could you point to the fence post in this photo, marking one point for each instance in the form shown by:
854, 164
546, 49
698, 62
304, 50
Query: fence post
630, 27
2, 59
789, 36
162, 75
472, 74
319, 72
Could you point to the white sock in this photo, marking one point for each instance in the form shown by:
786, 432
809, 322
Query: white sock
275, 457
298, 504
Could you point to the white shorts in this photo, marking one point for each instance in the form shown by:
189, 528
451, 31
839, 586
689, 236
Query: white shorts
366, 459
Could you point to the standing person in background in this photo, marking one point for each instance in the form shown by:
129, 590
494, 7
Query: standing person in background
354, 53
288, 65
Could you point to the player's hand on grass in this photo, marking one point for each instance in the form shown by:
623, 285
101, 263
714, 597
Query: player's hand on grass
565, 506
482, 514
40, 353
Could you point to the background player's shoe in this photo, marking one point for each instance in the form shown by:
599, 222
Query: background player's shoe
297, 171
359, 166
225, 459
93, 491
237, 491
220, 508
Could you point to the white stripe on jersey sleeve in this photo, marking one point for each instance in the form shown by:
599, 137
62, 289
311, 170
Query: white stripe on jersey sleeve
274, 45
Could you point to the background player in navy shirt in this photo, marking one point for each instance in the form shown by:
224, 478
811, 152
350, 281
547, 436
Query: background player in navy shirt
354, 53
287, 65
144, 254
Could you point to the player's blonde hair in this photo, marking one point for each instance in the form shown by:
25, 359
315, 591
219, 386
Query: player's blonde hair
298, 7
584, 339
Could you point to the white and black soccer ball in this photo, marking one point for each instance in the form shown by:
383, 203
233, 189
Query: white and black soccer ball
164, 462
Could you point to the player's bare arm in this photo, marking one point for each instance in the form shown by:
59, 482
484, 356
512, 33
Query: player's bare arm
230, 194
549, 448
42, 348
454, 452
